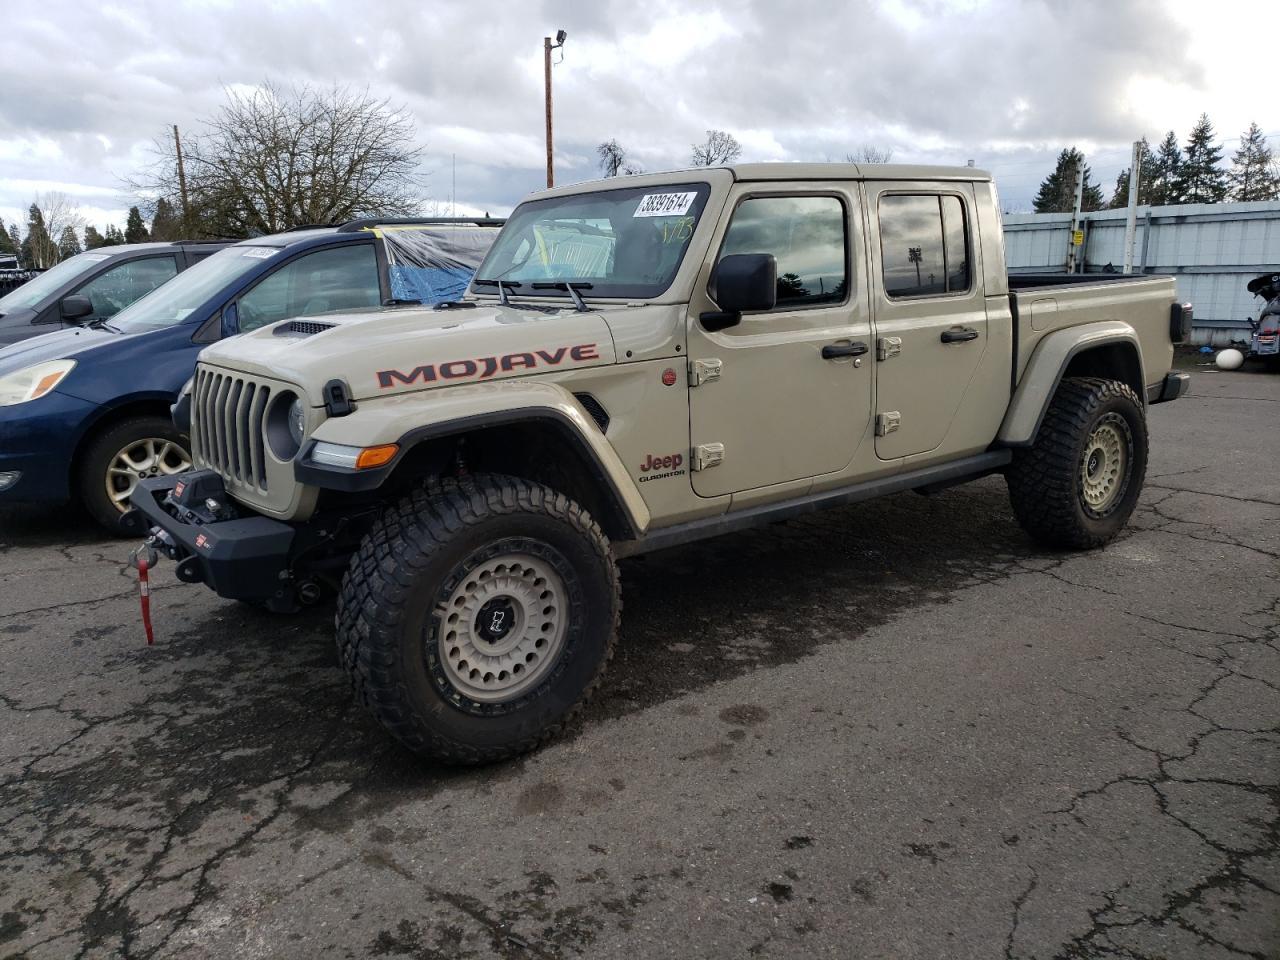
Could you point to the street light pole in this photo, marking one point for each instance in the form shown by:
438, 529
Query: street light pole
547, 47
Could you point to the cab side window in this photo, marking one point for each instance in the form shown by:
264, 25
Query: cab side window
807, 237
114, 290
339, 278
924, 245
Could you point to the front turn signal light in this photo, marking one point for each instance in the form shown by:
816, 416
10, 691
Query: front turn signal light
380, 456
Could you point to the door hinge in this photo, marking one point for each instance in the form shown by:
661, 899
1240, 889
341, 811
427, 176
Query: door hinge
887, 423
707, 455
703, 371
887, 347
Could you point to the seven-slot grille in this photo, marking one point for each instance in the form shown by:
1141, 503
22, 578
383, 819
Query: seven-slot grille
228, 426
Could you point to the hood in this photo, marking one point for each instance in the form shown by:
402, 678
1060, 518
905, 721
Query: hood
406, 349
17, 325
58, 345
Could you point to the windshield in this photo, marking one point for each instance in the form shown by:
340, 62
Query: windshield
623, 243
33, 291
190, 290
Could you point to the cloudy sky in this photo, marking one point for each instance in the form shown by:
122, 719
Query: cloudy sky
85, 86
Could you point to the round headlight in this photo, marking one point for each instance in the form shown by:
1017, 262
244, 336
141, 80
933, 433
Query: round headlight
297, 421
286, 424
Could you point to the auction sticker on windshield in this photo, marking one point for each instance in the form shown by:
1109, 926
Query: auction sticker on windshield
664, 204
259, 253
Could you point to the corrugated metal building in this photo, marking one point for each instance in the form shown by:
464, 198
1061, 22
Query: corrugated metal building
1212, 249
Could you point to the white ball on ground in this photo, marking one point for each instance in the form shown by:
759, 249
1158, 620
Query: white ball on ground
1230, 359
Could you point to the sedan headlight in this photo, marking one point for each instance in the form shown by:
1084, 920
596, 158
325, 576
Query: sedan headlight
33, 382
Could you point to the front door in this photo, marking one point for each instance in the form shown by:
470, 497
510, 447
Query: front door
771, 407
931, 319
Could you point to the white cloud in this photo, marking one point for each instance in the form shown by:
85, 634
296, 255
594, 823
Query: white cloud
1004, 82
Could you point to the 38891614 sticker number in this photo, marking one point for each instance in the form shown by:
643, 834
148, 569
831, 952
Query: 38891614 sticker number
664, 204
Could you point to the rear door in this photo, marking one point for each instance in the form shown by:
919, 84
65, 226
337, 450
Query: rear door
930, 313
770, 403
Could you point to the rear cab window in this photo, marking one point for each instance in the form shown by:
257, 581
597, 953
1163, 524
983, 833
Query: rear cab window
924, 245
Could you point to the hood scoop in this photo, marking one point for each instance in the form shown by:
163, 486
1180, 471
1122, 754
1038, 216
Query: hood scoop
302, 328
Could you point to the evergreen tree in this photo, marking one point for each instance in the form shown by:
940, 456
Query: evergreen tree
38, 249
92, 238
1166, 167
15, 241
113, 237
1253, 173
1057, 191
1201, 179
68, 243
1120, 195
165, 224
6, 242
135, 231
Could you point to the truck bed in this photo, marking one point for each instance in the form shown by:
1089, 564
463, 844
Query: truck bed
1043, 303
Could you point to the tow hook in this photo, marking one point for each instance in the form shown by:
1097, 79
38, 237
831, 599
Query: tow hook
143, 559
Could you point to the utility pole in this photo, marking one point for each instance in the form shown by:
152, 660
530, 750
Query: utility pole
1131, 220
547, 47
1075, 218
182, 185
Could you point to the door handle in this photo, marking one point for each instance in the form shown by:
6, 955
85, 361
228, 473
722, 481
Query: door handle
835, 351
959, 335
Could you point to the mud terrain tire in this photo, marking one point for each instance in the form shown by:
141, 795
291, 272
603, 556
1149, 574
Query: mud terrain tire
477, 617
1077, 484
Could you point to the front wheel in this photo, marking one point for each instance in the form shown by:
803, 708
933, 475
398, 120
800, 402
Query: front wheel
1078, 483
132, 450
477, 617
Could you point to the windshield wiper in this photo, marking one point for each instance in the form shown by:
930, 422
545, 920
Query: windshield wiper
502, 286
572, 286
102, 325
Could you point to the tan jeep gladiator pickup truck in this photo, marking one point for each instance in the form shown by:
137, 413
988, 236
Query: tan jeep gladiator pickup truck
639, 363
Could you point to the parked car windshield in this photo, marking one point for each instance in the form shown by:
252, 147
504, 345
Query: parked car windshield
625, 243
36, 289
191, 289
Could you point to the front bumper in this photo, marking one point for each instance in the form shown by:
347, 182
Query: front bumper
38, 441
241, 559
1173, 386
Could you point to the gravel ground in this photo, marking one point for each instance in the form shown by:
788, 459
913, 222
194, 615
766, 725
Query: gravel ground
895, 730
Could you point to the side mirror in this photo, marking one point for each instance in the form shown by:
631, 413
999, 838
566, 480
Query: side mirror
75, 308
744, 282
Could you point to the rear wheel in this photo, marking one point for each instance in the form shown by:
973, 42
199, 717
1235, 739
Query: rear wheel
129, 451
1079, 482
477, 617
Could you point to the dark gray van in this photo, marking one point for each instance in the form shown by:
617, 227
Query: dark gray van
95, 285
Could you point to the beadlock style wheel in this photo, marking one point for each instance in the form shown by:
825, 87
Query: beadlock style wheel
1104, 466
477, 616
1078, 483
502, 628
148, 457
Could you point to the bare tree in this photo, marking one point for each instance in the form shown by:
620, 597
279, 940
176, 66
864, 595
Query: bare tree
867, 153
718, 149
613, 160
276, 158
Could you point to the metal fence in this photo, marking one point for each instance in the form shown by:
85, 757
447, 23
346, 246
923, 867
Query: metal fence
1212, 250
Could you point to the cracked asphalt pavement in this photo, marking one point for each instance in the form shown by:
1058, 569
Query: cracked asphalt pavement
895, 730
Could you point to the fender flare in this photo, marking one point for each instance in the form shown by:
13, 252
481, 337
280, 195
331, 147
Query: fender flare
1045, 369
415, 418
